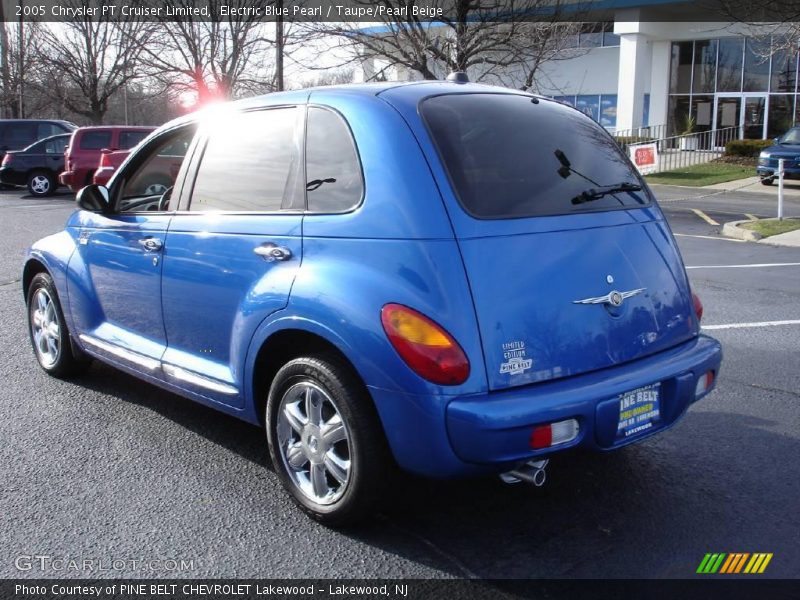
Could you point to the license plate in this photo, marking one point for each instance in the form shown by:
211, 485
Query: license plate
639, 411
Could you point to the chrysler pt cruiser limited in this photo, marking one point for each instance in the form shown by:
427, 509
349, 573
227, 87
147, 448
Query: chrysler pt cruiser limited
455, 279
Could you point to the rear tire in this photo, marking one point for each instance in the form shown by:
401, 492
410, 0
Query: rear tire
48, 331
767, 180
326, 441
41, 184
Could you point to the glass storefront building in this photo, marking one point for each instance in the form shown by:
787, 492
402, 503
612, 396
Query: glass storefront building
733, 82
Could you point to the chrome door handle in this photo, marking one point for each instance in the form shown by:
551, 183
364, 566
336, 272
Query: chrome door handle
271, 252
151, 244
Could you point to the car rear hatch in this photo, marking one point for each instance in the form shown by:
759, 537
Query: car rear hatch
571, 265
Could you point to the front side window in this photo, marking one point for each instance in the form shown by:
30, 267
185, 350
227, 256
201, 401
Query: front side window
95, 140
333, 171
149, 185
509, 157
250, 163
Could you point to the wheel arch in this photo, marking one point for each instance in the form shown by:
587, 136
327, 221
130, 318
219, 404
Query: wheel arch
33, 266
282, 345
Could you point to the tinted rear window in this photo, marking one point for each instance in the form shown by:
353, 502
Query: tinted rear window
508, 157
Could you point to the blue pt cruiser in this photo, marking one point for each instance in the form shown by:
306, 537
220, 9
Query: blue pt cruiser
452, 278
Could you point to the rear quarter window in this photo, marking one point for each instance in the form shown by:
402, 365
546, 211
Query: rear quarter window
509, 157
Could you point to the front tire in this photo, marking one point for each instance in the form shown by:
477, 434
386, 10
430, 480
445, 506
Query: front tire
41, 184
325, 440
48, 330
767, 180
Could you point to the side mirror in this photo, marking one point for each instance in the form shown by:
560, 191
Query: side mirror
775, 140
93, 198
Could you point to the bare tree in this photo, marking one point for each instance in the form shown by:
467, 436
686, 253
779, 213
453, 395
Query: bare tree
482, 37
20, 65
216, 58
90, 60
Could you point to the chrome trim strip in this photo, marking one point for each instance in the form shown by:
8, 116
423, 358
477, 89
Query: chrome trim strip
198, 380
134, 357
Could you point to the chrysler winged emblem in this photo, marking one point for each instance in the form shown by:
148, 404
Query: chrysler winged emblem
613, 298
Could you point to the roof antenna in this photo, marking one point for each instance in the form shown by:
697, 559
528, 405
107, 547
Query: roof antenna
458, 77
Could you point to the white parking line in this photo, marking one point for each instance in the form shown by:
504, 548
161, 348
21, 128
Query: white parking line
747, 325
710, 237
753, 266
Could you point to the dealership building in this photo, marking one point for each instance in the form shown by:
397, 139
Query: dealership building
645, 65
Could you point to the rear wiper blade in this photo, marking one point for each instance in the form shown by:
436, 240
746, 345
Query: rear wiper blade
605, 190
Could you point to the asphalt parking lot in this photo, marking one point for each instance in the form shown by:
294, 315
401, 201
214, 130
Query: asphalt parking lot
107, 467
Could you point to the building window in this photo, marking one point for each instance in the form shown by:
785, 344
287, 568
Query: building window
729, 65
680, 81
705, 66
646, 111
756, 66
589, 105
608, 110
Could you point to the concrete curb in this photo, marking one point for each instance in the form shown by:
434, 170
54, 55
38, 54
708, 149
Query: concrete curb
732, 230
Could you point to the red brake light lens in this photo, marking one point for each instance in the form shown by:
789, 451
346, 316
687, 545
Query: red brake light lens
104, 162
427, 348
7, 159
698, 306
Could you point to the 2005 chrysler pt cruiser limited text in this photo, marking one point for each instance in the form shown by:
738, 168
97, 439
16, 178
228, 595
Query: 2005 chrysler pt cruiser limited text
452, 278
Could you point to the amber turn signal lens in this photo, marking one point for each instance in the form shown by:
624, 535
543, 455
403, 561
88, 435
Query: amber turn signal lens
426, 348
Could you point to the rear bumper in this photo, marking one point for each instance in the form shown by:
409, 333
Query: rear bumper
74, 179
491, 432
789, 172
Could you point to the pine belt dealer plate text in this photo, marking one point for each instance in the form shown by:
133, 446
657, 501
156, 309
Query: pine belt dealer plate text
639, 411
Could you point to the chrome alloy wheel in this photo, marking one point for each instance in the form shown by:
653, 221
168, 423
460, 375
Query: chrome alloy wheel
314, 443
45, 328
40, 184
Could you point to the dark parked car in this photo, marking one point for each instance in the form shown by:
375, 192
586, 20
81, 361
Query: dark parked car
786, 147
16, 134
87, 145
37, 166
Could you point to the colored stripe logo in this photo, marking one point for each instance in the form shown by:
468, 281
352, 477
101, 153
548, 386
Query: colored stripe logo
735, 562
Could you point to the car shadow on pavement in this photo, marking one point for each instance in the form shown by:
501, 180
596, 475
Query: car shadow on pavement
649, 510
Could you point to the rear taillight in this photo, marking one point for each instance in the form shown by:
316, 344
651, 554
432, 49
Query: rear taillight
7, 159
429, 350
104, 160
553, 434
698, 306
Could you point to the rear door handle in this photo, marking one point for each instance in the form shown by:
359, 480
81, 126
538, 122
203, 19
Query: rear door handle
151, 244
270, 252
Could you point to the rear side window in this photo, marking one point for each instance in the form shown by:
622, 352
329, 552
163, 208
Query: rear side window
508, 157
250, 163
95, 140
56, 146
333, 171
128, 139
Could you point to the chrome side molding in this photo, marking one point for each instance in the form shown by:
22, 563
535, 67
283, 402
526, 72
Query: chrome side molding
198, 380
146, 362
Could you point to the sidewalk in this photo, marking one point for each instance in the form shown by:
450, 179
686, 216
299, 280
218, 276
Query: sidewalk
791, 187
791, 239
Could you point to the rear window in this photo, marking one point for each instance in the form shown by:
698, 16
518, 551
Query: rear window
508, 157
95, 140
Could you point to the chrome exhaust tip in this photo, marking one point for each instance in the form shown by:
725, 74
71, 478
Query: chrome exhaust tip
532, 471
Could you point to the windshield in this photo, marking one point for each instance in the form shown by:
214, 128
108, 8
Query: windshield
791, 137
510, 156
